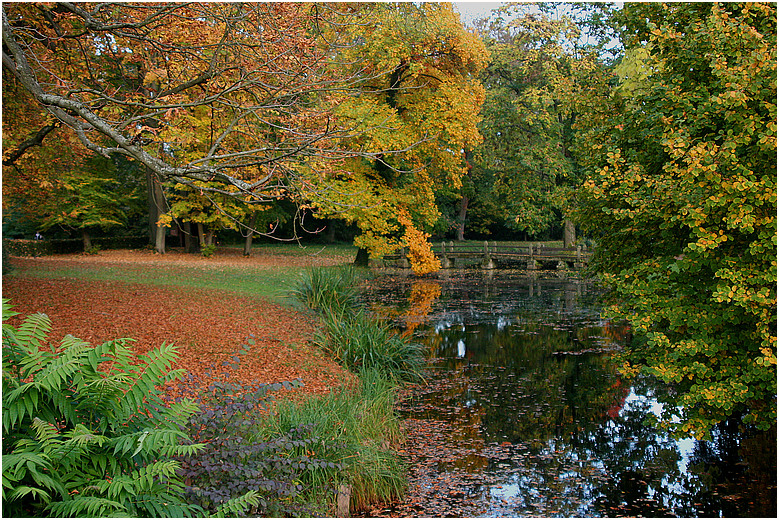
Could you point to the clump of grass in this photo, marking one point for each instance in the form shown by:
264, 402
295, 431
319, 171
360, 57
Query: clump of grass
360, 342
356, 427
323, 288
353, 338
359, 423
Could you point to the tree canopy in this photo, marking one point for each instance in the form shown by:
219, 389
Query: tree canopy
682, 203
190, 90
420, 99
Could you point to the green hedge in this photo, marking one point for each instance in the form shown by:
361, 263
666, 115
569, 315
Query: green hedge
70, 245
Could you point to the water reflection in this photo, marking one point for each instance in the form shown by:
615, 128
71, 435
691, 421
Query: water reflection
525, 414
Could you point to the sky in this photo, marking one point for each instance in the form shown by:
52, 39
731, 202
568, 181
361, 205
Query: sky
470, 11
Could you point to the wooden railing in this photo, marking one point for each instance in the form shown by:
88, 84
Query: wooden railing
491, 255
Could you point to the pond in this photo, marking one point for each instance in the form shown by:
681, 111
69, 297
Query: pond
524, 413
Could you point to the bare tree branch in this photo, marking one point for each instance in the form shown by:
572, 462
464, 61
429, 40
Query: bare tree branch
34, 140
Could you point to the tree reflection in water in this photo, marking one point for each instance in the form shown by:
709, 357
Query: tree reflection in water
525, 414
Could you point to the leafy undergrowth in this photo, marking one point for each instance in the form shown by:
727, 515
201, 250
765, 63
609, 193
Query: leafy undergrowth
207, 325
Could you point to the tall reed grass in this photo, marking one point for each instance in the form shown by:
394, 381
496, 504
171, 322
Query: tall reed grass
359, 342
359, 422
328, 288
356, 429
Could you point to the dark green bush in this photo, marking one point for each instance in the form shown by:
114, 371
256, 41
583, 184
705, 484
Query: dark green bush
69, 245
85, 429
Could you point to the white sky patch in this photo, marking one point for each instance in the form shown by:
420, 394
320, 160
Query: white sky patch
470, 11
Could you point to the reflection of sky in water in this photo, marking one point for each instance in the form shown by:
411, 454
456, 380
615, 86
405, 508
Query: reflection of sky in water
684, 447
589, 469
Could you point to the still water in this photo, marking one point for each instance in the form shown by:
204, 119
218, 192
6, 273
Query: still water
524, 412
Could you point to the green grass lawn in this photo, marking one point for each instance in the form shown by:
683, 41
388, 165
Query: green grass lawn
271, 283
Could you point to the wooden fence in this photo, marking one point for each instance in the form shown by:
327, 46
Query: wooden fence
491, 256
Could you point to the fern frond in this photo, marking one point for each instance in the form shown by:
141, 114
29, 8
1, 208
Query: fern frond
46, 435
33, 332
154, 373
8, 311
26, 397
159, 505
87, 506
238, 506
25, 491
105, 463
15, 465
183, 409
183, 450
121, 486
23, 465
62, 368
82, 436
160, 468
163, 438
105, 352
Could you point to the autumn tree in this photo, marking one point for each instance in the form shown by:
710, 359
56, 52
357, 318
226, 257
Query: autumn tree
30, 169
420, 99
228, 98
210, 212
88, 198
525, 171
682, 202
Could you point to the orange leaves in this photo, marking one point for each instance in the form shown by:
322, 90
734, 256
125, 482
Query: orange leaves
421, 256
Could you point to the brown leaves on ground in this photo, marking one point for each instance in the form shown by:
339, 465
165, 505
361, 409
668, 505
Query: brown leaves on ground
207, 326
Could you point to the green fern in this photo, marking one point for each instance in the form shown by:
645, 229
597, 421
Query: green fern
237, 507
80, 439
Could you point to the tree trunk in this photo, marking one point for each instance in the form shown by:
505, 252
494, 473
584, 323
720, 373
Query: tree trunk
362, 257
330, 233
190, 244
247, 245
156, 208
201, 234
462, 211
569, 233
159, 240
86, 239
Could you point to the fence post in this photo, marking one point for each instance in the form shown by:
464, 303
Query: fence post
487, 262
445, 263
404, 258
579, 264
531, 262
343, 499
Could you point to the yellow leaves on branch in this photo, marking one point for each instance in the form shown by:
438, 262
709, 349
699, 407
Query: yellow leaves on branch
165, 220
420, 253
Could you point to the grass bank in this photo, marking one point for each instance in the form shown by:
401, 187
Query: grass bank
343, 440
360, 421
227, 270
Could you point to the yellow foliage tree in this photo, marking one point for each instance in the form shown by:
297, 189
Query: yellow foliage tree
417, 111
